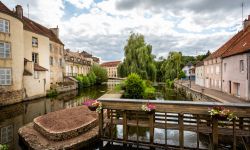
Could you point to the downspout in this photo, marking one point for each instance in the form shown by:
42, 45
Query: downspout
248, 70
221, 73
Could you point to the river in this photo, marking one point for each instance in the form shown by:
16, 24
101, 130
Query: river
13, 117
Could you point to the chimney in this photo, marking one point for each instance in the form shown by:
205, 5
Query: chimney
55, 31
19, 11
246, 22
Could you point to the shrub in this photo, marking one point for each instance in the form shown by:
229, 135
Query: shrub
149, 93
52, 93
181, 75
100, 73
92, 78
85, 81
4, 147
169, 83
134, 87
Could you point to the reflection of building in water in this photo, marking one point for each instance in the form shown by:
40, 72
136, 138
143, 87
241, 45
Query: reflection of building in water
11, 119
112, 83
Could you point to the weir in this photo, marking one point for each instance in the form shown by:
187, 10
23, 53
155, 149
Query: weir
172, 115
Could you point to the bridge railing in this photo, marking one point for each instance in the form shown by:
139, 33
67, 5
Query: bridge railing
171, 115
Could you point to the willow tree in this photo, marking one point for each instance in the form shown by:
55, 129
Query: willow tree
172, 66
138, 58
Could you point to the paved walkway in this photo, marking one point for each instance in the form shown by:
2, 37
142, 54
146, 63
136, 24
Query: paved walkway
218, 95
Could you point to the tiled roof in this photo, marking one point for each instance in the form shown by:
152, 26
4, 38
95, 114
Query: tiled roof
69, 53
241, 46
111, 64
39, 68
31, 25
200, 63
225, 46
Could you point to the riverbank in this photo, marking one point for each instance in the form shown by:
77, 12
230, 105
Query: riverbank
198, 93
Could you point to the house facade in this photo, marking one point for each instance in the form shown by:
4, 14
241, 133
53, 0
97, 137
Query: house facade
24, 56
189, 71
199, 74
111, 68
76, 63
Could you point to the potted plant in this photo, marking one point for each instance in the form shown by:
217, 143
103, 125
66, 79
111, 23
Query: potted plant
150, 108
93, 105
221, 114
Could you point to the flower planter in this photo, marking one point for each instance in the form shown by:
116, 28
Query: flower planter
92, 108
150, 112
220, 117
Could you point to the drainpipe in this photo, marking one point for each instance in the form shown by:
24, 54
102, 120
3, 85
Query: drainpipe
248, 70
221, 71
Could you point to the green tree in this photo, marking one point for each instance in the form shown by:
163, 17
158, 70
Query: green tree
182, 75
138, 58
134, 87
172, 66
100, 73
92, 78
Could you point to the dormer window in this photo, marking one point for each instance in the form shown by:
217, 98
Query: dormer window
4, 26
34, 42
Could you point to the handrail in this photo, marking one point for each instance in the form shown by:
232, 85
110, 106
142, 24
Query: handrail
177, 115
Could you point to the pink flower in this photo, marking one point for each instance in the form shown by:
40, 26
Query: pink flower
151, 106
89, 102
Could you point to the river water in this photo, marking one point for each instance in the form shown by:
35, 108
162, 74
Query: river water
13, 117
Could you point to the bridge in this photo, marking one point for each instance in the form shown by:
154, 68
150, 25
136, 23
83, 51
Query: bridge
181, 116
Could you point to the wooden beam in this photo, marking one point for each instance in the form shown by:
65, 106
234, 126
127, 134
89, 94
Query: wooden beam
100, 116
215, 134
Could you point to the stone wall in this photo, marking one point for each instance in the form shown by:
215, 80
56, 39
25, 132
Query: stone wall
193, 94
10, 97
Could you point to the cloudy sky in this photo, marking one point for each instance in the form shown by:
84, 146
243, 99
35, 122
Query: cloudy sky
102, 27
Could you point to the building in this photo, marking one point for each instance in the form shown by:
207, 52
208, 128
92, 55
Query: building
77, 63
189, 71
24, 56
213, 65
199, 74
236, 62
111, 68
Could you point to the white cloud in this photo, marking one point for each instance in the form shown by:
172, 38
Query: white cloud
167, 25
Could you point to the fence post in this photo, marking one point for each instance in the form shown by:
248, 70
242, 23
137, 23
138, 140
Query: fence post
181, 133
100, 116
215, 133
125, 127
151, 127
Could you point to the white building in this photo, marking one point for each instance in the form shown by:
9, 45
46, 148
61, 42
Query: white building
189, 71
199, 74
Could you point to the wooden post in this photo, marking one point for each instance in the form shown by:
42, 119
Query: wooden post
125, 127
181, 133
215, 133
234, 136
151, 127
100, 116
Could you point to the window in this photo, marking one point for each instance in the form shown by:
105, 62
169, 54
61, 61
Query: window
51, 61
217, 70
36, 74
6, 134
50, 47
60, 61
241, 65
225, 67
34, 42
5, 76
4, 50
35, 57
4, 26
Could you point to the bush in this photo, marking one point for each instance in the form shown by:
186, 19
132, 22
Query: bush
92, 78
149, 93
4, 147
50, 94
134, 87
85, 81
181, 75
100, 73
169, 83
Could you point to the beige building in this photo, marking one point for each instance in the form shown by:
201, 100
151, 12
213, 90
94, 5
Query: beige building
199, 74
236, 62
24, 56
78, 63
111, 68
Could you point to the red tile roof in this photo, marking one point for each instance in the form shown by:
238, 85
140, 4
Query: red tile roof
111, 64
31, 25
241, 46
226, 46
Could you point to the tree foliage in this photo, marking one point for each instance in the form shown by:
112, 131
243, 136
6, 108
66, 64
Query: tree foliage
138, 58
134, 87
100, 73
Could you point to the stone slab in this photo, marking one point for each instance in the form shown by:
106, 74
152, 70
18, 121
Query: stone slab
66, 124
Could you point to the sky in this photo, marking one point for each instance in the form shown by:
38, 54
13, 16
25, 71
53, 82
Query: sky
101, 27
